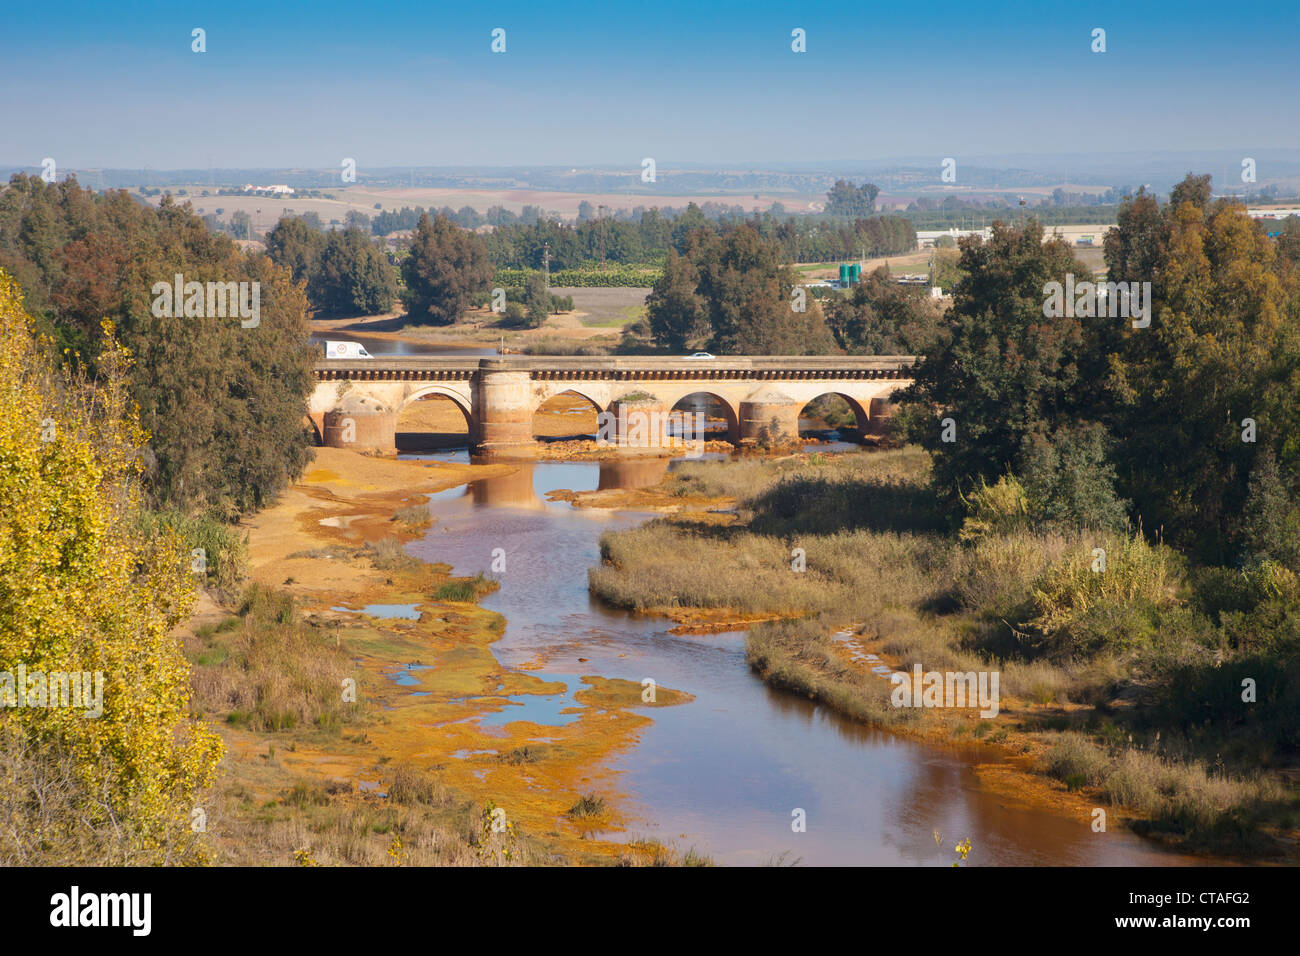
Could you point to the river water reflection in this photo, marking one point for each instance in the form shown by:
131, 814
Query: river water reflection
725, 772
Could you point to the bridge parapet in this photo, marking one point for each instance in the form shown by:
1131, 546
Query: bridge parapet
758, 367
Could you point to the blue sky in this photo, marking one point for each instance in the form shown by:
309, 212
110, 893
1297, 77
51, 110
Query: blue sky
401, 83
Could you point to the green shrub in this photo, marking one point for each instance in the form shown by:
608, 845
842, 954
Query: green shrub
414, 517
1001, 508
1081, 608
612, 276
274, 672
224, 549
465, 589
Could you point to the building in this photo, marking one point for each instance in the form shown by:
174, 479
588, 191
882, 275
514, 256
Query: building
925, 238
277, 190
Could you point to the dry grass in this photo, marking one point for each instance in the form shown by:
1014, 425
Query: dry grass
270, 672
314, 825
1208, 808
52, 814
390, 554
654, 853
414, 517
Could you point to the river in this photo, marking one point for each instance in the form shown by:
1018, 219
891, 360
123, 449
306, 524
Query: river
725, 772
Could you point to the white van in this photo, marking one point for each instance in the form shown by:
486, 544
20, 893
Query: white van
346, 350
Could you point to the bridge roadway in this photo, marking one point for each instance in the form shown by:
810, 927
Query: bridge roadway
357, 402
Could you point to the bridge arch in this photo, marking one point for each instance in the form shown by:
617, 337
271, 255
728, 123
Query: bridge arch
712, 405
314, 424
861, 414
423, 420
566, 414
462, 402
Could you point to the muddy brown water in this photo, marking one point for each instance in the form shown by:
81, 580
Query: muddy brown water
725, 773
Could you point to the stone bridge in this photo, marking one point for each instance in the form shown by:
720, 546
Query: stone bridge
357, 402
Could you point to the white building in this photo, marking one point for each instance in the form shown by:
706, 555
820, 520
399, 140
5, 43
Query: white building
278, 190
925, 238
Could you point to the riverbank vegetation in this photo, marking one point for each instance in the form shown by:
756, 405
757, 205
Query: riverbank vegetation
274, 680
100, 757
1125, 684
222, 402
1105, 512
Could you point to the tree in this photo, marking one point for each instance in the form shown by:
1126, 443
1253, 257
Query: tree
1271, 529
241, 225
674, 310
1288, 243
748, 301
881, 317
447, 265
223, 404
1069, 479
537, 300
1223, 346
1133, 250
846, 199
353, 277
296, 245
1004, 370
85, 592
1193, 189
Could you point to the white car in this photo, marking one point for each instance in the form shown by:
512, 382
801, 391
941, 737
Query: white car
701, 355
346, 350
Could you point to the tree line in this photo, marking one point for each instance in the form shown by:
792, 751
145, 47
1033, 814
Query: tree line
649, 237
1183, 422
345, 271
223, 404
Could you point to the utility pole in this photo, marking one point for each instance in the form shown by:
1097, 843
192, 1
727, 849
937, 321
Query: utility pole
546, 263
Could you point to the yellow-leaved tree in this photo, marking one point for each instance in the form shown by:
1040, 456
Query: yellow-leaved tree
84, 592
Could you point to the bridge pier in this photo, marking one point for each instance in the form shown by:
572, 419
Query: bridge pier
502, 425
639, 423
882, 410
360, 423
770, 418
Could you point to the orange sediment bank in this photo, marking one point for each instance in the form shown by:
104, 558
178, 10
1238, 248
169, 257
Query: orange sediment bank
1009, 760
450, 713
1010, 755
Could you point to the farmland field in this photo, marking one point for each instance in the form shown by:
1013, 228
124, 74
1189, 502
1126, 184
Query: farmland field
606, 308
363, 200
